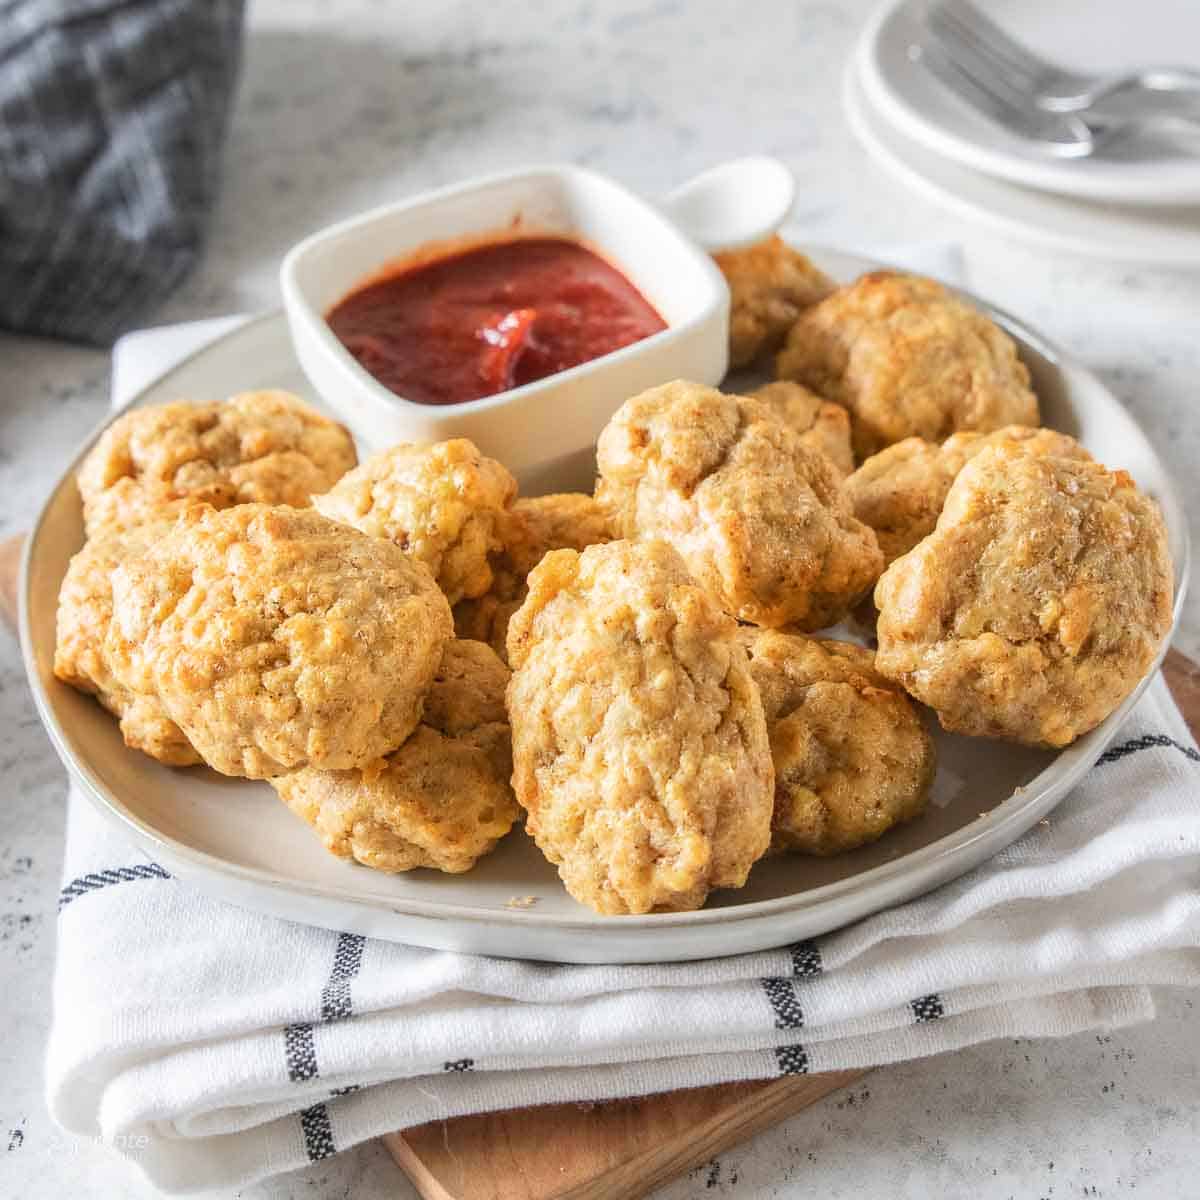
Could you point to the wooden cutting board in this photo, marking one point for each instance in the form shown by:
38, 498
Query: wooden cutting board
619, 1149
10, 566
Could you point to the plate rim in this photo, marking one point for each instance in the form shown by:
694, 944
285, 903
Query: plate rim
1016, 811
1047, 175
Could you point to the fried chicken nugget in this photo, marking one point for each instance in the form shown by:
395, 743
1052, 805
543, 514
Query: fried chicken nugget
276, 638
900, 491
851, 755
85, 607
821, 425
770, 285
256, 447
528, 531
561, 521
908, 358
758, 517
1036, 605
439, 503
640, 751
443, 799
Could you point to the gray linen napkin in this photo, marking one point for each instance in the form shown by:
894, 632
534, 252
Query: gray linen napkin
112, 117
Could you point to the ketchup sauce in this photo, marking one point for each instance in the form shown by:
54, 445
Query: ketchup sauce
491, 318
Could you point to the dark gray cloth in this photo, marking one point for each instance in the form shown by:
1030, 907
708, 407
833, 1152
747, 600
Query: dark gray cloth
112, 119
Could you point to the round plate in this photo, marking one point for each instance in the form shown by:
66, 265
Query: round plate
237, 841
1164, 237
1142, 171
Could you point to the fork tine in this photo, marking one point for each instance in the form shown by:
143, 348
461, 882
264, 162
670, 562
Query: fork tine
970, 56
971, 24
1065, 136
998, 105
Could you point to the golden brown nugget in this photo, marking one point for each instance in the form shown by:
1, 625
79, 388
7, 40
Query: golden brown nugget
851, 755
257, 447
485, 618
639, 747
758, 517
1036, 605
276, 638
439, 503
85, 608
443, 799
821, 425
561, 521
900, 491
908, 358
528, 532
770, 285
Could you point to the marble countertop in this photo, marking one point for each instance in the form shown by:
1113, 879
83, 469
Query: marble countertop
343, 105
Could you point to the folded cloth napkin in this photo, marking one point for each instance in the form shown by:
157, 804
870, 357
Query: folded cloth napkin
112, 116
214, 1046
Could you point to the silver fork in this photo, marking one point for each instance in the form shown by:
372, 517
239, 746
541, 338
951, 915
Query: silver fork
1046, 84
1060, 135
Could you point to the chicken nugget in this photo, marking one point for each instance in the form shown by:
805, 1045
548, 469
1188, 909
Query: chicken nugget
439, 503
256, 447
85, 608
640, 751
900, 491
758, 517
443, 799
770, 285
851, 755
908, 358
276, 638
1037, 604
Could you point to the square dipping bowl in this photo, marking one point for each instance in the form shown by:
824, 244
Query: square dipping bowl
544, 432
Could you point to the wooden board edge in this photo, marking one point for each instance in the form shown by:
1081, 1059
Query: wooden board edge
10, 571
410, 1162
1183, 681
438, 1173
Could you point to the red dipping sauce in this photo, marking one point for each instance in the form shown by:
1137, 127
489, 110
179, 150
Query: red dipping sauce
491, 318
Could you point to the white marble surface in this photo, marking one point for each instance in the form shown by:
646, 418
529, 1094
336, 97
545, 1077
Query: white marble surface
347, 103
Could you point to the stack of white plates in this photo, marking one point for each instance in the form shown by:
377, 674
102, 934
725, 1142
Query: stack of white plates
1139, 204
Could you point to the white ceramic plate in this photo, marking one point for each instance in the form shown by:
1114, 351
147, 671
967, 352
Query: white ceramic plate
1163, 237
1097, 37
236, 840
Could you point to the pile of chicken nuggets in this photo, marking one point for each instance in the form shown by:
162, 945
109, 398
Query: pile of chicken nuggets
415, 657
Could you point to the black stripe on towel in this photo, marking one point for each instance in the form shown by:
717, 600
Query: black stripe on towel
102, 879
459, 1064
928, 1008
347, 958
300, 1052
806, 960
792, 1060
300, 1049
318, 1136
782, 995
1146, 742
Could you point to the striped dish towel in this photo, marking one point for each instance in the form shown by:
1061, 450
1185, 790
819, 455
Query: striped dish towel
214, 1047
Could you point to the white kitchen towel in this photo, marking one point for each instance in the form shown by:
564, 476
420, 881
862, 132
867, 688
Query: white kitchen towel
213, 1046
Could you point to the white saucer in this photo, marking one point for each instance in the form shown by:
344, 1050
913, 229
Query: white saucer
1162, 237
1098, 37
